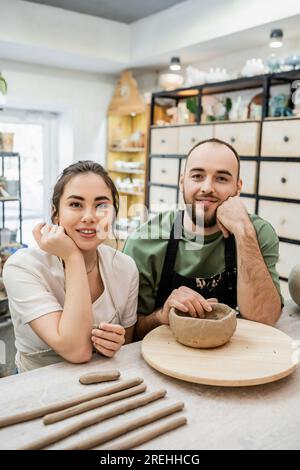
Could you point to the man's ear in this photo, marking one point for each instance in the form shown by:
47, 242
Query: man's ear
54, 218
181, 182
239, 187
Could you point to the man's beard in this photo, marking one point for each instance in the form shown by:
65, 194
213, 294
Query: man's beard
200, 219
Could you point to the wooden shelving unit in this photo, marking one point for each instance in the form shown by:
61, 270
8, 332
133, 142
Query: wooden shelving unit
128, 125
132, 193
121, 128
129, 150
130, 172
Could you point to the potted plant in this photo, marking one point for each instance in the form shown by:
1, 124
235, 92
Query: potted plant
3, 85
3, 90
192, 106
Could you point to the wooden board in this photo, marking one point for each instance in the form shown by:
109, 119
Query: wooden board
256, 354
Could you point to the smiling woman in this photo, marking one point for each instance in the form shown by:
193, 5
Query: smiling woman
72, 293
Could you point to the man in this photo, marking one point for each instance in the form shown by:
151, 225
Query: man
234, 264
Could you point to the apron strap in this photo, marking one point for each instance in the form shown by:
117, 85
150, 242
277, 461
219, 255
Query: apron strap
169, 263
230, 252
165, 284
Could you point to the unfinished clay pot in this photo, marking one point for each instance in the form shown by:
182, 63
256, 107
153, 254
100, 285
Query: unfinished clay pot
214, 330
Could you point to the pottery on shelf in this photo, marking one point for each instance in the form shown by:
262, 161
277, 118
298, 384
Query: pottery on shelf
253, 67
6, 141
217, 75
194, 76
215, 329
170, 81
293, 61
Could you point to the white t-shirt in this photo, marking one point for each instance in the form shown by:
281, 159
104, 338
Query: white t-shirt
34, 281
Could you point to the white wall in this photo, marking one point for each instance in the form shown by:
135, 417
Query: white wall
81, 100
45, 35
196, 21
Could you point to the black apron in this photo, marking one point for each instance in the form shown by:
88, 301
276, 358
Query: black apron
222, 286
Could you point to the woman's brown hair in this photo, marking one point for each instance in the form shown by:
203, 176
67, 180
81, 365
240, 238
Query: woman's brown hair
79, 168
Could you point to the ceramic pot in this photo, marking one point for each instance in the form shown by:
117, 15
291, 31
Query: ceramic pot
215, 329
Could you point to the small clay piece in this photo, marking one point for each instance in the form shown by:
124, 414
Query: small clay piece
92, 404
101, 438
97, 377
128, 443
43, 410
121, 408
215, 329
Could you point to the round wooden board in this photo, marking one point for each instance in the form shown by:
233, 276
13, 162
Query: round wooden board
256, 354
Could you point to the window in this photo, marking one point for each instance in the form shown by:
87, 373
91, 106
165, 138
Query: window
33, 139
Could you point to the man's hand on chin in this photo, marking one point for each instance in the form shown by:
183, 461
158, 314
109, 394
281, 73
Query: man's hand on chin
232, 217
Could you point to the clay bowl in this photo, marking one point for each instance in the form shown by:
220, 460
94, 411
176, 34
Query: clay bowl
215, 329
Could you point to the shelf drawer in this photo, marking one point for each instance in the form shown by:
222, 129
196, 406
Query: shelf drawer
249, 203
164, 141
243, 137
190, 136
162, 199
248, 175
280, 179
165, 170
283, 216
281, 139
289, 256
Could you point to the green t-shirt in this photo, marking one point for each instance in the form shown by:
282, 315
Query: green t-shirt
202, 258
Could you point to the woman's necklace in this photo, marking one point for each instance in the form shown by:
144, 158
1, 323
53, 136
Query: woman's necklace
93, 267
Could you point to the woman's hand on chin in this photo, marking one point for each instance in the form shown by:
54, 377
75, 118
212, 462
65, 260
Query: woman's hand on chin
53, 240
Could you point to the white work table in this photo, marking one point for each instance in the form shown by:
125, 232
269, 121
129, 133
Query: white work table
258, 417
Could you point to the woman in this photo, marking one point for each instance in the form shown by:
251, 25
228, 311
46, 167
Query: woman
73, 292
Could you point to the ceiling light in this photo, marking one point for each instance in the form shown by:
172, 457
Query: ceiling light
175, 64
276, 38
